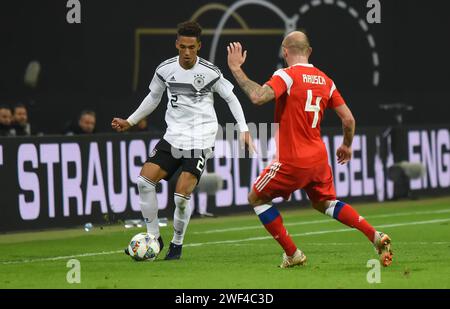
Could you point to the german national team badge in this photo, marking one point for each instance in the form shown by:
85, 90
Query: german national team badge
199, 80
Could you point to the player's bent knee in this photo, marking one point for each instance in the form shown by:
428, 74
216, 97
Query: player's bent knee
321, 206
185, 190
254, 200
251, 198
153, 172
186, 184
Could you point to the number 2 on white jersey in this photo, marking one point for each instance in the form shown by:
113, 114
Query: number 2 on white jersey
313, 108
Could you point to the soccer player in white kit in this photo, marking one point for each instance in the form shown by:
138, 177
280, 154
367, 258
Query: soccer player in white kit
191, 129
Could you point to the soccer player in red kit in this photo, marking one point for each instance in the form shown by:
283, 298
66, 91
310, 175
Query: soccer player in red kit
302, 93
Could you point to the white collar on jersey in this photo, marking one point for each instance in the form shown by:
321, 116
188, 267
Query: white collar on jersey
309, 65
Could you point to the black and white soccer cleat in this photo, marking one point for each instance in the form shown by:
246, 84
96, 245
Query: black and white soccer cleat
174, 252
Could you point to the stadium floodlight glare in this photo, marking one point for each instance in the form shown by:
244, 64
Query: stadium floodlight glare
32, 72
409, 169
210, 183
401, 173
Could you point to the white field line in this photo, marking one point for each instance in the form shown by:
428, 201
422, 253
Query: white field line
325, 244
234, 241
68, 257
255, 227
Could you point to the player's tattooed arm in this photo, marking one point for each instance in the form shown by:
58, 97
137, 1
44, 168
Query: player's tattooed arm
349, 132
258, 94
344, 152
348, 123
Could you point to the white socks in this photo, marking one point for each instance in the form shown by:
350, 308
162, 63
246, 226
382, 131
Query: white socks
149, 208
149, 204
181, 217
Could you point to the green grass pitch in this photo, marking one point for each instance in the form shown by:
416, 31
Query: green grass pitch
237, 252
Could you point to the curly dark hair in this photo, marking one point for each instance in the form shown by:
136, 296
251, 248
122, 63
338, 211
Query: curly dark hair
190, 29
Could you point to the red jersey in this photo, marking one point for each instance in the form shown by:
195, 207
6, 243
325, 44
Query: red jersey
302, 94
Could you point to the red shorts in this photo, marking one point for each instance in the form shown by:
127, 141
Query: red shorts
279, 179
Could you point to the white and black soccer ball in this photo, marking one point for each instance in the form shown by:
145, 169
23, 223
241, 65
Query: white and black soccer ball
143, 247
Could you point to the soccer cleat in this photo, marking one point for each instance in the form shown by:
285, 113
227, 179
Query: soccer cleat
174, 252
297, 259
382, 245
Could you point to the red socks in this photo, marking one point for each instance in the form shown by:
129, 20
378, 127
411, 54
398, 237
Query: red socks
347, 215
273, 223
342, 212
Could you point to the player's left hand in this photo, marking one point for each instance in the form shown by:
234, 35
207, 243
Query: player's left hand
344, 154
246, 139
236, 57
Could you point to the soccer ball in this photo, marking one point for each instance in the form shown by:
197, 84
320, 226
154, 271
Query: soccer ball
143, 247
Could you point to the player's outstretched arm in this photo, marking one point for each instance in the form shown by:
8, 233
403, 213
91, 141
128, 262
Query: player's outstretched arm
258, 94
344, 152
147, 106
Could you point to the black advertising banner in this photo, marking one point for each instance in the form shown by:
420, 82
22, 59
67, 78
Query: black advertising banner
50, 182
107, 61
61, 181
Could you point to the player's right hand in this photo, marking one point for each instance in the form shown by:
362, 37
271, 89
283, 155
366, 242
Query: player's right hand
236, 57
120, 125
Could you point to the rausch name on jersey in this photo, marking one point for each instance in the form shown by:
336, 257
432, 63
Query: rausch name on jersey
314, 79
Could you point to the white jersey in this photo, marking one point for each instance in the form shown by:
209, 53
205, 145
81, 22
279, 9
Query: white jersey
190, 116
